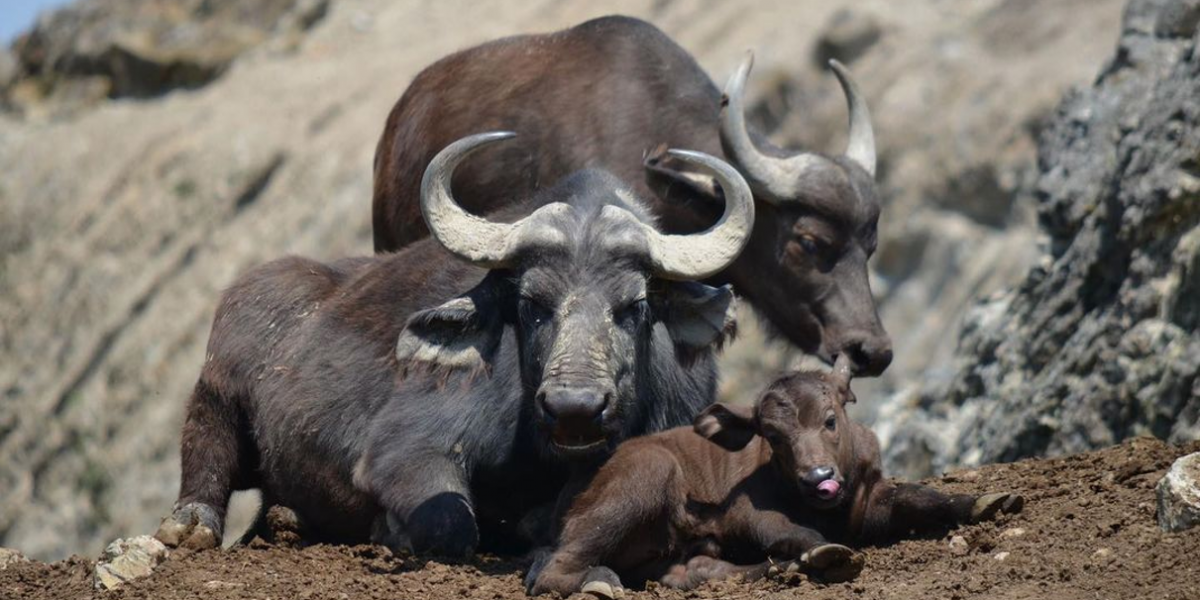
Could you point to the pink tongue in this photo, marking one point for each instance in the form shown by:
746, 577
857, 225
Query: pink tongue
828, 489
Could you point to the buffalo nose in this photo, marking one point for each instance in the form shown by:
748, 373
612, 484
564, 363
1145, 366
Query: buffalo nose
817, 475
576, 406
870, 355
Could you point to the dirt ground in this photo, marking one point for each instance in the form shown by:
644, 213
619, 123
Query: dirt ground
1088, 531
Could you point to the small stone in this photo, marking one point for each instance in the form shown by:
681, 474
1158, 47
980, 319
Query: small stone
127, 559
1000, 556
1012, 532
1103, 554
1179, 495
959, 546
9, 557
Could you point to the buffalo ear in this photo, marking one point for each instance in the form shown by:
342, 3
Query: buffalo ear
460, 334
728, 426
668, 176
697, 316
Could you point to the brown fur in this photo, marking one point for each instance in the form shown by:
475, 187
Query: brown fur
679, 508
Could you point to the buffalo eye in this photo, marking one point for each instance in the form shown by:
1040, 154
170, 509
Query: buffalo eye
535, 312
831, 423
632, 313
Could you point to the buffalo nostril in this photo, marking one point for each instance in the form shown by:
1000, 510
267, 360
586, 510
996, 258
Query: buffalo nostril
575, 404
869, 357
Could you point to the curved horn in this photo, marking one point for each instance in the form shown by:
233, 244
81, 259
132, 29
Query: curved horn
701, 255
861, 147
477, 240
773, 177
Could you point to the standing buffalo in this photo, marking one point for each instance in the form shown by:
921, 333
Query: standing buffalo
415, 398
612, 93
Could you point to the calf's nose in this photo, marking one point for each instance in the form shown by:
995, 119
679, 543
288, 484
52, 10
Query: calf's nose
818, 474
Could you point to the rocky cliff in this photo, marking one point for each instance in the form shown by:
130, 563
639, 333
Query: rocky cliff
1099, 342
123, 216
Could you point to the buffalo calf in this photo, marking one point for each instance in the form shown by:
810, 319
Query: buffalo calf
788, 479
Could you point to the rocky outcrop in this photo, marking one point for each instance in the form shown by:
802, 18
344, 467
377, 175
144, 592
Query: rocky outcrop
98, 49
1100, 342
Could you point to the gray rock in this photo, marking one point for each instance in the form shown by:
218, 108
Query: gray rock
128, 559
1179, 495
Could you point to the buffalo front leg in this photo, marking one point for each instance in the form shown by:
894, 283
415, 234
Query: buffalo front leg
211, 456
626, 500
793, 547
428, 504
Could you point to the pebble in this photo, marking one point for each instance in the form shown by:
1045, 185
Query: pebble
10, 557
959, 546
1013, 532
1000, 556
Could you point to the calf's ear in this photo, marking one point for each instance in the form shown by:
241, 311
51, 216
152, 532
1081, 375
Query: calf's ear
728, 426
697, 316
460, 334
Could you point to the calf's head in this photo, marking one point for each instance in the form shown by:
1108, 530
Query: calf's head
588, 286
806, 265
803, 418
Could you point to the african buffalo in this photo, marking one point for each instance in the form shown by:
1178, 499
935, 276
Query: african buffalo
789, 478
402, 397
612, 93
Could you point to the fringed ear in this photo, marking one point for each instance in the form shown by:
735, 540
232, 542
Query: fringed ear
698, 317
728, 426
665, 175
461, 334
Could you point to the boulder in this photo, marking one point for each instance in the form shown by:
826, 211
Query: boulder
1179, 495
127, 559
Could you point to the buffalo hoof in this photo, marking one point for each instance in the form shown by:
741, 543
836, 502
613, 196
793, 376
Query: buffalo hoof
603, 583
443, 526
832, 563
194, 526
987, 507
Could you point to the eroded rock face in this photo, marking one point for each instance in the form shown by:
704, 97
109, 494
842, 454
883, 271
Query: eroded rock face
1179, 495
1100, 342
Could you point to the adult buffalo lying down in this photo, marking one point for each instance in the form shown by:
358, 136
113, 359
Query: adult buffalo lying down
403, 396
612, 93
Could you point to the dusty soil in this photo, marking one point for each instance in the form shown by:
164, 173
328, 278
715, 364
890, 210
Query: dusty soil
1088, 531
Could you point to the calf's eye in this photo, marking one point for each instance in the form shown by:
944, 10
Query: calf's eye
831, 423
